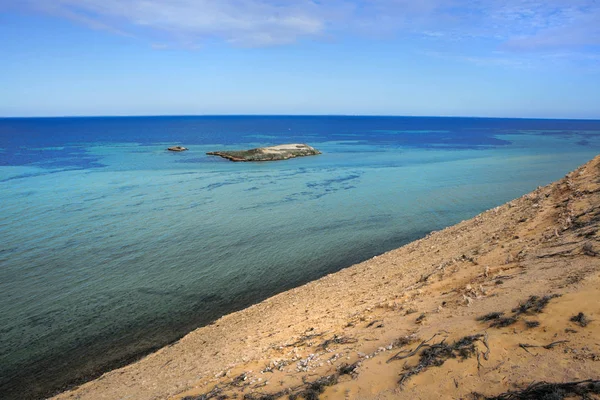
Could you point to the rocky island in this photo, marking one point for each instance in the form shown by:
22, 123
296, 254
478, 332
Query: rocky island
273, 153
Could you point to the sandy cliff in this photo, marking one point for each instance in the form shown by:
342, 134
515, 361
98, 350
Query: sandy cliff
443, 317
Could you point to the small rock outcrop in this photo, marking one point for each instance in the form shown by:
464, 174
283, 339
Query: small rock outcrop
177, 148
273, 153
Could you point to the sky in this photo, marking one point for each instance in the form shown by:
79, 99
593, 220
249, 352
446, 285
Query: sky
510, 58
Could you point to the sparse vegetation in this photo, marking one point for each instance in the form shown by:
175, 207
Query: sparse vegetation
403, 341
503, 322
302, 341
215, 394
253, 396
316, 388
532, 324
346, 369
580, 319
549, 391
491, 316
437, 354
534, 304
588, 250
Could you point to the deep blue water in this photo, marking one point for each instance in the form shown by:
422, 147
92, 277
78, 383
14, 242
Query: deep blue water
111, 246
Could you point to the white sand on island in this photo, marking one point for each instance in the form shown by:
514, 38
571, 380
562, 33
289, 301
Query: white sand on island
286, 147
546, 242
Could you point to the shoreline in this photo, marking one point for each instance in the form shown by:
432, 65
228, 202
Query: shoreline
53, 387
449, 277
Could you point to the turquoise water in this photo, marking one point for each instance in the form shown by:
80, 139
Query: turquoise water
112, 246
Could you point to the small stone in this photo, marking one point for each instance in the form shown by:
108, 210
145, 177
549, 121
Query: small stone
468, 300
177, 148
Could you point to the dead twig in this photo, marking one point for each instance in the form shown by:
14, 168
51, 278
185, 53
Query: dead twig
412, 353
338, 340
549, 346
304, 339
524, 346
487, 346
564, 253
374, 322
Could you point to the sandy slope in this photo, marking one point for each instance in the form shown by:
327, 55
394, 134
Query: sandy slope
542, 243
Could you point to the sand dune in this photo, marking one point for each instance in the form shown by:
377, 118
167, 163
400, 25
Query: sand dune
407, 324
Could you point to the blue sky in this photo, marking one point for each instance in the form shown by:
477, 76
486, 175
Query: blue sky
521, 58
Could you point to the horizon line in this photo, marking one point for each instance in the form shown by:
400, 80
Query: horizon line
294, 115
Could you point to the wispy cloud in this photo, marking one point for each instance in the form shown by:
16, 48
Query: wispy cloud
493, 59
512, 25
239, 22
577, 30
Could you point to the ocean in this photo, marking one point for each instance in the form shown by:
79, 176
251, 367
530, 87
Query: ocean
111, 246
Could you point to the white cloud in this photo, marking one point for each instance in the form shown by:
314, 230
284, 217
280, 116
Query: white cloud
515, 24
242, 22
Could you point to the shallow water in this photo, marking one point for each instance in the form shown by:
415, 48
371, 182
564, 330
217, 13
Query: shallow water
111, 246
